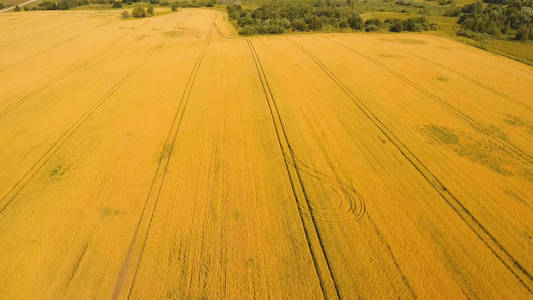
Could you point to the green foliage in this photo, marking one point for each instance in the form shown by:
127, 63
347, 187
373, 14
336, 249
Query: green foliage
299, 25
195, 3
17, 8
355, 22
468, 34
47, 5
415, 24
138, 12
373, 24
445, 2
453, 11
375, 21
524, 34
174, 7
343, 24
117, 4
125, 14
395, 25
60, 5
512, 18
314, 22
280, 16
150, 10
371, 27
2, 5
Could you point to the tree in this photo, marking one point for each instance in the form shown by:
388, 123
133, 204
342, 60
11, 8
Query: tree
47, 5
125, 14
62, 5
138, 12
522, 34
17, 8
473, 8
451, 11
243, 22
117, 4
371, 27
174, 7
313, 22
343, 24
396, 25
299, 25
355, 22
150, 10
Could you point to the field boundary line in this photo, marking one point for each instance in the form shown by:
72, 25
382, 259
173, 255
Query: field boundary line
466, 119
519, 272
158, 179
59, 77
8, 198
325, 276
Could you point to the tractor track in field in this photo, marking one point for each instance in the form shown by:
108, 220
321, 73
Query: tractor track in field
218, 30
63, 75
158, 180
37, 33
71, 38
518, 271
472, 80
9, 197
297, 186
497, 54
353, 211
462, 116
387, 246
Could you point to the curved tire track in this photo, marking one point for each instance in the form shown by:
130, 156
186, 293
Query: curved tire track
519, 272
355, 207
326, 277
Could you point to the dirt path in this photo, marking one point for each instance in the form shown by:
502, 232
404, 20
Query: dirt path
20, 5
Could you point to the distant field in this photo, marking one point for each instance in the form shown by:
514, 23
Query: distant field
11, 2
169, 158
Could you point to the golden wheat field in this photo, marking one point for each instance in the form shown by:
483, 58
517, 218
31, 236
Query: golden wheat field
169, 158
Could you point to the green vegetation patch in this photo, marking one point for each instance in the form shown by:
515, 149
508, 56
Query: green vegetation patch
57, 172
278, 17
518, 122
484, 151
109, 212
507, 19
